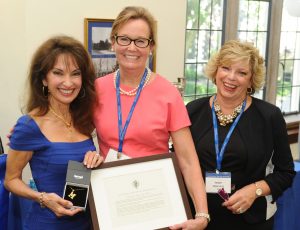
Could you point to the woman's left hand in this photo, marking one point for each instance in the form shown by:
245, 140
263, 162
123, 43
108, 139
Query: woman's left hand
241, 200
92, 159
194, 224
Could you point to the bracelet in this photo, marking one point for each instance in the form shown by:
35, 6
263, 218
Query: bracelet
202, 214
41, 199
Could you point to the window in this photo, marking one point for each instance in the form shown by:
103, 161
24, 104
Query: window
288, 80
204, 29
210, 22
253, 23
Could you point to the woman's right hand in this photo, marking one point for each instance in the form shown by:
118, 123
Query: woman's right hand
92, 159
193, 224
58, 205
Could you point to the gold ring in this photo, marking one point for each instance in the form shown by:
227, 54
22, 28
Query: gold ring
240, 211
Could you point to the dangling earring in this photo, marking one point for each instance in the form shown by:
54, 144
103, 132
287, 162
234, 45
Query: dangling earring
81, 93
249, 91
45, 91
150, 58
214, 80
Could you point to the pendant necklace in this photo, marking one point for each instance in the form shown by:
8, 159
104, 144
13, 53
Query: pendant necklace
72, 194
68, 124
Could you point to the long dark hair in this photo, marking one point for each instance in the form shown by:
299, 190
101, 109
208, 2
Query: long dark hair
44, 59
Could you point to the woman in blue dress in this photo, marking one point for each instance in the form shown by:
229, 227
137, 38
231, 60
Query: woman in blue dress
56, 128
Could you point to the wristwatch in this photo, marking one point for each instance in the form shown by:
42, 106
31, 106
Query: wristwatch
202, 214
258, 190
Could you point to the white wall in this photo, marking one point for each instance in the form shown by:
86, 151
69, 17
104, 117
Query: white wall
25, 24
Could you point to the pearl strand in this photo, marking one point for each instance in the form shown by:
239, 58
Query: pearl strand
133, 91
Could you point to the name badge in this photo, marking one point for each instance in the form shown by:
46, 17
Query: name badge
216, 181
114, 155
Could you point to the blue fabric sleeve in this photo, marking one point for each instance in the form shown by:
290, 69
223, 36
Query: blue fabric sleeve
26, 135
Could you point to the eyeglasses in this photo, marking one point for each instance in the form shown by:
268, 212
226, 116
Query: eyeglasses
126, 41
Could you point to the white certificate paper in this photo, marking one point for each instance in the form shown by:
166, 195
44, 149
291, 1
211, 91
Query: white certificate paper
144, 195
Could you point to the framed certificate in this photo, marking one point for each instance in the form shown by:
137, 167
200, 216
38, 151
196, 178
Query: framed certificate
139, 193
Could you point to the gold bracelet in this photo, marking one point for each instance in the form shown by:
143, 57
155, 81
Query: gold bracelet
41, 199
202, 214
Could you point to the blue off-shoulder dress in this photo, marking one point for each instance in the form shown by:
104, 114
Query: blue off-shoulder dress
49, 167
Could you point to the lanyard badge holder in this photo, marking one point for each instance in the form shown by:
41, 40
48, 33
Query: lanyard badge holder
220, 182
122, 130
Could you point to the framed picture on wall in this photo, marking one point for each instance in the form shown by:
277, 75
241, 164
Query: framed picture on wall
97, 42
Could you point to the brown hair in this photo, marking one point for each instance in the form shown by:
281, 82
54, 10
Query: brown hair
234, 51
134, 12
43, 61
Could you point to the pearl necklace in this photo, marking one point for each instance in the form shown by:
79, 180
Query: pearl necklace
133, 91
68, 124
227, 119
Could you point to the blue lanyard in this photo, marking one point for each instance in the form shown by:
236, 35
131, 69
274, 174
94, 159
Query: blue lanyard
122, 131
220, 154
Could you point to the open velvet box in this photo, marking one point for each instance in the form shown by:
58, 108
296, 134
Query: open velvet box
77, 184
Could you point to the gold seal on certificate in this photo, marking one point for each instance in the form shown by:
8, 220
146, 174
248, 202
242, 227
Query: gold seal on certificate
140, 193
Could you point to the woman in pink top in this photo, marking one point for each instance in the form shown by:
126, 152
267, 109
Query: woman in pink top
138, 110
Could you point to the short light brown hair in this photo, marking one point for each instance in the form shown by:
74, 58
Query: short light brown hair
134, 12
234, 51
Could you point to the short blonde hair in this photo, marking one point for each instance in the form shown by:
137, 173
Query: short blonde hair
234, 51
134, 12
